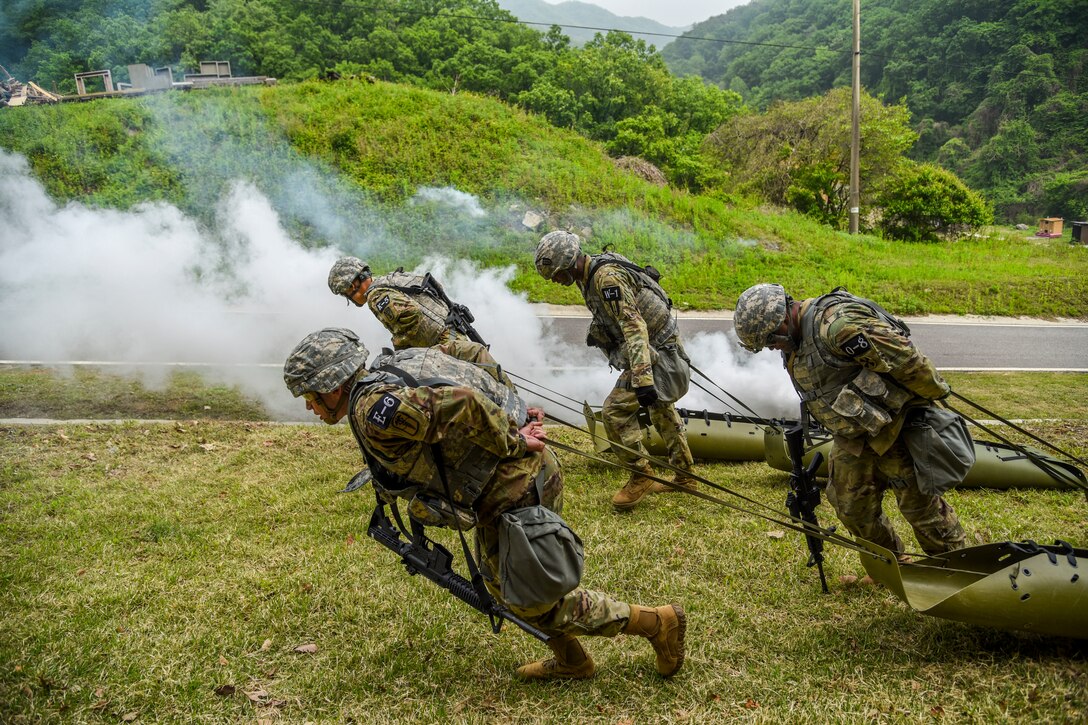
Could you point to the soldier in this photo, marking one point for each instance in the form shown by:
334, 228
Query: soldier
495, 461
412, 307
861, 377
634, 326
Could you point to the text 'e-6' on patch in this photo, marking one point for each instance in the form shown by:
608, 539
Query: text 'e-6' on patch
382, 304
381, 413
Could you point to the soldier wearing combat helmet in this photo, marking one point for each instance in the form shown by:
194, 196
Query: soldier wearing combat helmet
634, 326
407, 428
410, 306
858, 374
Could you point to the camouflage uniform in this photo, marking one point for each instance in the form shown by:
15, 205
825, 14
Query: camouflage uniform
469, 426
413, 316
860, 376
629, 322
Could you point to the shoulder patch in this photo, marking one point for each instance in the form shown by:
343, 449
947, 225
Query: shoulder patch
382, 412
611, 294
856, 345
381, 304
406, 424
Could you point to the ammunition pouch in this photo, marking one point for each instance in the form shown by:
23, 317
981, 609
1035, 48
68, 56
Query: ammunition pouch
431, 510
870, 401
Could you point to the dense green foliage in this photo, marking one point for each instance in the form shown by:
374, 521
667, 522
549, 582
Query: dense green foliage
448, 45
927, 203
996, 88
619, 90
798, 153
342, 163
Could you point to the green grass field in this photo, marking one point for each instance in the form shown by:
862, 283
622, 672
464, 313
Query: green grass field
170, 572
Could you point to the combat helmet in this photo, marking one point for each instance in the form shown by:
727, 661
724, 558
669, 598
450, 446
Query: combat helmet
344, 272
760, 312
556, 252
324, 361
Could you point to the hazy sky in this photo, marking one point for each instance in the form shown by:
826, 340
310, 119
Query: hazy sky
676, 13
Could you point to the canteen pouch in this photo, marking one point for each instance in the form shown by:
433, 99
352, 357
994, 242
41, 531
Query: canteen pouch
941, 446
540, 557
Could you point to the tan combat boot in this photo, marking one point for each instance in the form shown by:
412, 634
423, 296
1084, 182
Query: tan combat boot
683, 480
664, 627
571, 662
636, 488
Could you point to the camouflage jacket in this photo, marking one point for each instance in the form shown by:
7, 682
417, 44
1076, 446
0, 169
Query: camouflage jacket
488, 464
413, 316
631, 315
858, 372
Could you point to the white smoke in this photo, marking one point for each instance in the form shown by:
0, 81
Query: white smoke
453, 198
757, 381
149, 286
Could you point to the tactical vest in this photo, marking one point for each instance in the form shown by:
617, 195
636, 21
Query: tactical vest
426, 367
432, 323
848, 399
653, 305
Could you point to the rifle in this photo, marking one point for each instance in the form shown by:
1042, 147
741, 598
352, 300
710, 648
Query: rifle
434, 562
804, 495
460, 317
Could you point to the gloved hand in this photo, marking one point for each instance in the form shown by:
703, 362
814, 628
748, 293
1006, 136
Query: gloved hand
646, 394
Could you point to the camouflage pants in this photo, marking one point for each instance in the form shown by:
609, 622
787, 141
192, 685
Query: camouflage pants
582, 612
620, 418
856, 486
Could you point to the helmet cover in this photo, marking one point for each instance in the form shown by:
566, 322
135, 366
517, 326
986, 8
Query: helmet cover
759, 313
557, 251
324, 361
344, 272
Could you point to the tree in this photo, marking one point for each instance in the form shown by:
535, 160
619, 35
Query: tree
798, 153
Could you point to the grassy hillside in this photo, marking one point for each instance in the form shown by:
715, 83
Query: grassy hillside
356, 154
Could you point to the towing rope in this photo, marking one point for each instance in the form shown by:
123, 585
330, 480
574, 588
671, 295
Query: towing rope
776, 516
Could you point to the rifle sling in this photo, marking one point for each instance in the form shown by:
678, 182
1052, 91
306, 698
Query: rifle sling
474, 570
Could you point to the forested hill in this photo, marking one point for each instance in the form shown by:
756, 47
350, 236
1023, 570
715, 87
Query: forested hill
997, 89
572, 14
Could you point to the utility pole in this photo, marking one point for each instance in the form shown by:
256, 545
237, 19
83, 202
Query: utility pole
855, 141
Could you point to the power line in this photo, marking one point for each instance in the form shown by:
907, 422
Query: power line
518, 21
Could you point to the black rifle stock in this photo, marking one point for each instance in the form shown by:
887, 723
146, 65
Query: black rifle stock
804, 495
434, 562
459, 317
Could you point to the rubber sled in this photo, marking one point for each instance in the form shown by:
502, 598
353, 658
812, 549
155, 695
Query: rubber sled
1019, 586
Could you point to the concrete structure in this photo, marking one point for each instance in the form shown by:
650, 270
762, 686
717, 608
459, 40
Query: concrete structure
144, 77
105, 75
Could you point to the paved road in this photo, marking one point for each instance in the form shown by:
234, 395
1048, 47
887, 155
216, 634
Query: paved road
952, 343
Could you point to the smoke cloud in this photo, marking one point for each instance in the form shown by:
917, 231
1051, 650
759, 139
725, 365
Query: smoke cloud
151, 286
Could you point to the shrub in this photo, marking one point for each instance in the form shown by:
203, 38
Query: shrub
928, 203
